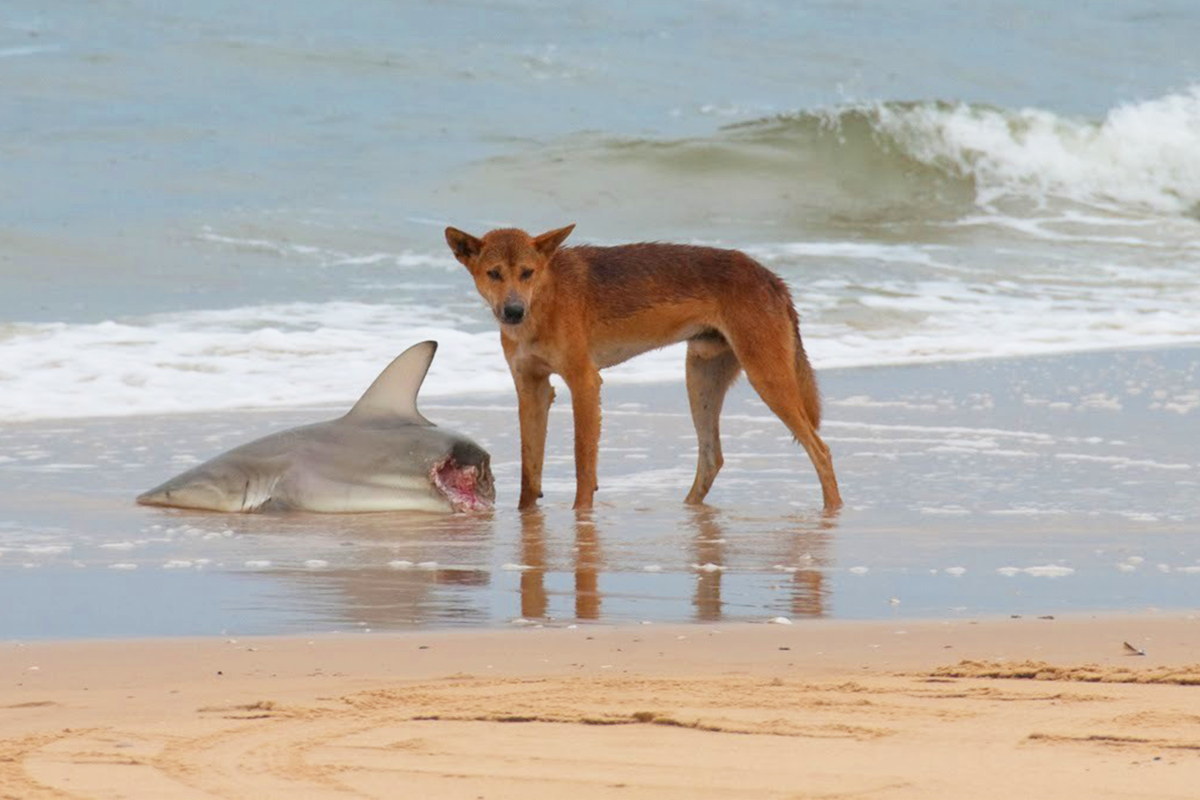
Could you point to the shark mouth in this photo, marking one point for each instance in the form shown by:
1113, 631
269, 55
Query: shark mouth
466, 488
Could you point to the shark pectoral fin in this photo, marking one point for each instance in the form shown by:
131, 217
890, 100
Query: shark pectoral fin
394, 393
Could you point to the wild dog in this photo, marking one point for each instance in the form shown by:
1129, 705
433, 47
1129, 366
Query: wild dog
575, 311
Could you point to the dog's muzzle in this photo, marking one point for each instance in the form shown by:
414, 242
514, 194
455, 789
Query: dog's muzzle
512, 313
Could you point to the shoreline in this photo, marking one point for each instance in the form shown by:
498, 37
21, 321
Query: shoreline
842, 627
486, 399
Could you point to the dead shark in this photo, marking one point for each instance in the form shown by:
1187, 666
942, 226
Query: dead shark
381, 456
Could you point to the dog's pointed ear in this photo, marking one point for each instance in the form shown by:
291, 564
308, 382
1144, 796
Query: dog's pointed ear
464, 246
548, 242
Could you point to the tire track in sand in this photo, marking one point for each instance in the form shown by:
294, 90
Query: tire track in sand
623, 736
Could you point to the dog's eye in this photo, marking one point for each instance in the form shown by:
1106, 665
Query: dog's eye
494, 274
526, 274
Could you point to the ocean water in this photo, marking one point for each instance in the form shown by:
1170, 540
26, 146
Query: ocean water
218, 217
215, 206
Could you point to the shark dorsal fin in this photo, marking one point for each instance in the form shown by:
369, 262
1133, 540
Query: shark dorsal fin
393, 395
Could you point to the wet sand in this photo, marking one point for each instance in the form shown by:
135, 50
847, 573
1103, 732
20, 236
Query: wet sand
993, 708
1022, 486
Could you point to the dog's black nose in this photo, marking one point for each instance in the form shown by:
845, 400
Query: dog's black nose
512, 313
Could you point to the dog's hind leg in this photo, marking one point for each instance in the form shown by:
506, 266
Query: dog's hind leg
766, 358
711, 370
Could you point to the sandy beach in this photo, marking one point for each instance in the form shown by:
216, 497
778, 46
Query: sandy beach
990, 708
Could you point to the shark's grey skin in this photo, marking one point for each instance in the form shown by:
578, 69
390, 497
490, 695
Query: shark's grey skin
381, 456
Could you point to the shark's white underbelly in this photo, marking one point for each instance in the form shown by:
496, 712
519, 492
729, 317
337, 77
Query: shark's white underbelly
311, 492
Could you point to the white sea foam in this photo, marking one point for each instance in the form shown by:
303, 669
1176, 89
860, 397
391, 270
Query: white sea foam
1123, 462
931, 303
47, 549
261, 356
1044, 571
326, 256
857, 251
1141, 154
948, 511
27, 50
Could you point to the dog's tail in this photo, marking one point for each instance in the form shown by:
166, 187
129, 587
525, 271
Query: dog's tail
810, 394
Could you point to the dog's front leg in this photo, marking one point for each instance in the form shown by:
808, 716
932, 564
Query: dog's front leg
534, 396
584, 383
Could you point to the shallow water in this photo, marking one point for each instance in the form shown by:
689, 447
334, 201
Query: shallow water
1028, 486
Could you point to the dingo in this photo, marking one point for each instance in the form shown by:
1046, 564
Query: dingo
577, 310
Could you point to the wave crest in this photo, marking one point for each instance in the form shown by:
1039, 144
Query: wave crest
870, 164
1144, 156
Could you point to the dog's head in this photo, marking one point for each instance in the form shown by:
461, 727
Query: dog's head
508, 265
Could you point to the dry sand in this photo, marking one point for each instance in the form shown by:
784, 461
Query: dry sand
1003, 708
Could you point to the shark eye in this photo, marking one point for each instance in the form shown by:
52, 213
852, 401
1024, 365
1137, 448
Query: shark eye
494, 274
526, 274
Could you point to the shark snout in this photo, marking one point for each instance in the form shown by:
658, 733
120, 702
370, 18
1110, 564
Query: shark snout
195, 495
154, 497
208, 489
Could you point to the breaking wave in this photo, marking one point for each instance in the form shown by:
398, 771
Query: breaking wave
1141, 158
1144, 156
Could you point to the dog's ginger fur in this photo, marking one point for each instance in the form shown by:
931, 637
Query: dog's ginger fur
575, 311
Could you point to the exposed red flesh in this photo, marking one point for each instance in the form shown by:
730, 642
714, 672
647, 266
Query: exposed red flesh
459, 485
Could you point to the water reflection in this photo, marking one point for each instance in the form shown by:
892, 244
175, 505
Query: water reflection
383, 586
805, 557
808, 551
390, 571
587, 564
587, 568
801, 543
533, 556
708, 544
